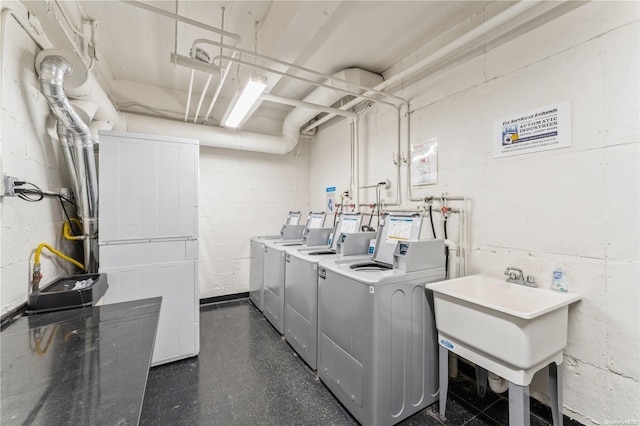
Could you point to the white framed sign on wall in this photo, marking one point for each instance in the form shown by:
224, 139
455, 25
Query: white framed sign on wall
424, 163
533, 131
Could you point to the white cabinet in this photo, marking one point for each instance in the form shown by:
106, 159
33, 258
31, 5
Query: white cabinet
148, 187
148, 232
173, 278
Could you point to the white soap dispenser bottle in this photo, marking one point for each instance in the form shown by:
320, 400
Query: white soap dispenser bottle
559, 281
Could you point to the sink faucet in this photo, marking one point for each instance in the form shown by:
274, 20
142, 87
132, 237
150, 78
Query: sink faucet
516, 276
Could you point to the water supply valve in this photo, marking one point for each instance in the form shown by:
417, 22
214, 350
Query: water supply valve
35, 279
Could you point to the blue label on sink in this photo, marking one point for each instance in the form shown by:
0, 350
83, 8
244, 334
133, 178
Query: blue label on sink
447, 344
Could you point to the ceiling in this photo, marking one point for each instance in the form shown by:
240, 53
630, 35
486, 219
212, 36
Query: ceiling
134, 46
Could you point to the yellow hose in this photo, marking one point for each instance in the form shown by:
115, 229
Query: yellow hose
57, 253
66, 230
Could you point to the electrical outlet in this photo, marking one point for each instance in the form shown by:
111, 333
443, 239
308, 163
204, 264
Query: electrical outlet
67, 193
9, 186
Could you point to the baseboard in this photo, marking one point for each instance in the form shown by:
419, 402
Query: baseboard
224, 298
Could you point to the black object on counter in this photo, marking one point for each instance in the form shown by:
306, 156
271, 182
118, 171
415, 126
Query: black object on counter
84, 366
67, 293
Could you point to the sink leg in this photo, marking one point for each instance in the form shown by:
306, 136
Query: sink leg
519, 414
555, 393
481, 381
443, 355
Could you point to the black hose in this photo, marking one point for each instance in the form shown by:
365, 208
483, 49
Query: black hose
445, 228
433, 228
446, 251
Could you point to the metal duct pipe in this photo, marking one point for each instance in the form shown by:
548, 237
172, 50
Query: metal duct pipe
53, 69
65, 137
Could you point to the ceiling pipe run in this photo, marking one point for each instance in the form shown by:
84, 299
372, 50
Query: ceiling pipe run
481, 30
232, 139
181, 18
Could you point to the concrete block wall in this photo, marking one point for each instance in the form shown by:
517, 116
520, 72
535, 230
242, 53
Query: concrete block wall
577, 207
28, 152
244, 194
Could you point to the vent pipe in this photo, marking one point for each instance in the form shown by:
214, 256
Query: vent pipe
76, 143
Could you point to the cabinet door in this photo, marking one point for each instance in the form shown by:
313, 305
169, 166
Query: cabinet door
148, 187
178, 327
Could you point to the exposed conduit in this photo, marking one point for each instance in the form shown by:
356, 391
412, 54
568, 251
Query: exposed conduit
481, 30
233, 139
77, 148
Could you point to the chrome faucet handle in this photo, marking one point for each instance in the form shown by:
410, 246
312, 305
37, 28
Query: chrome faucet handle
531, 281
511, 270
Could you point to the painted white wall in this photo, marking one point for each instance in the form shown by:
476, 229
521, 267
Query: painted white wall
243, 194
577, 207
29, 153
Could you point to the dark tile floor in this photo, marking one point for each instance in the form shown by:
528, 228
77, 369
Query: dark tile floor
246, 374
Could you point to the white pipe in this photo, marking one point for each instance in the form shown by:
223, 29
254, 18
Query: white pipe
233, 139
220, 83
356, 166
182, 19
223, 78
225, 73
480, 30
302, 104
93, 92
336, 81
453, 365
453, 259
346, 91
497, 383
204, 92
218, 137
215, 136
186, 110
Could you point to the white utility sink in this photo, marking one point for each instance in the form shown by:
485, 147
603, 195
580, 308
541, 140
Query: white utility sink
510, 329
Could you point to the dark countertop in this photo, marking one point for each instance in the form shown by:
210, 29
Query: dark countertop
85, 366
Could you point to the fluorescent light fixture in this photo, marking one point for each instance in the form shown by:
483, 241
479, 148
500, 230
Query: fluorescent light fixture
252, 91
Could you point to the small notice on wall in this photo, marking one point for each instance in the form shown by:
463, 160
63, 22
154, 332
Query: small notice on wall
538, 130
330, 191
424, 163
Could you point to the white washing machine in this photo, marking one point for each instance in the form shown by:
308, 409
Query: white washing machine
301, 283
377, 350
291, 230
274, 266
